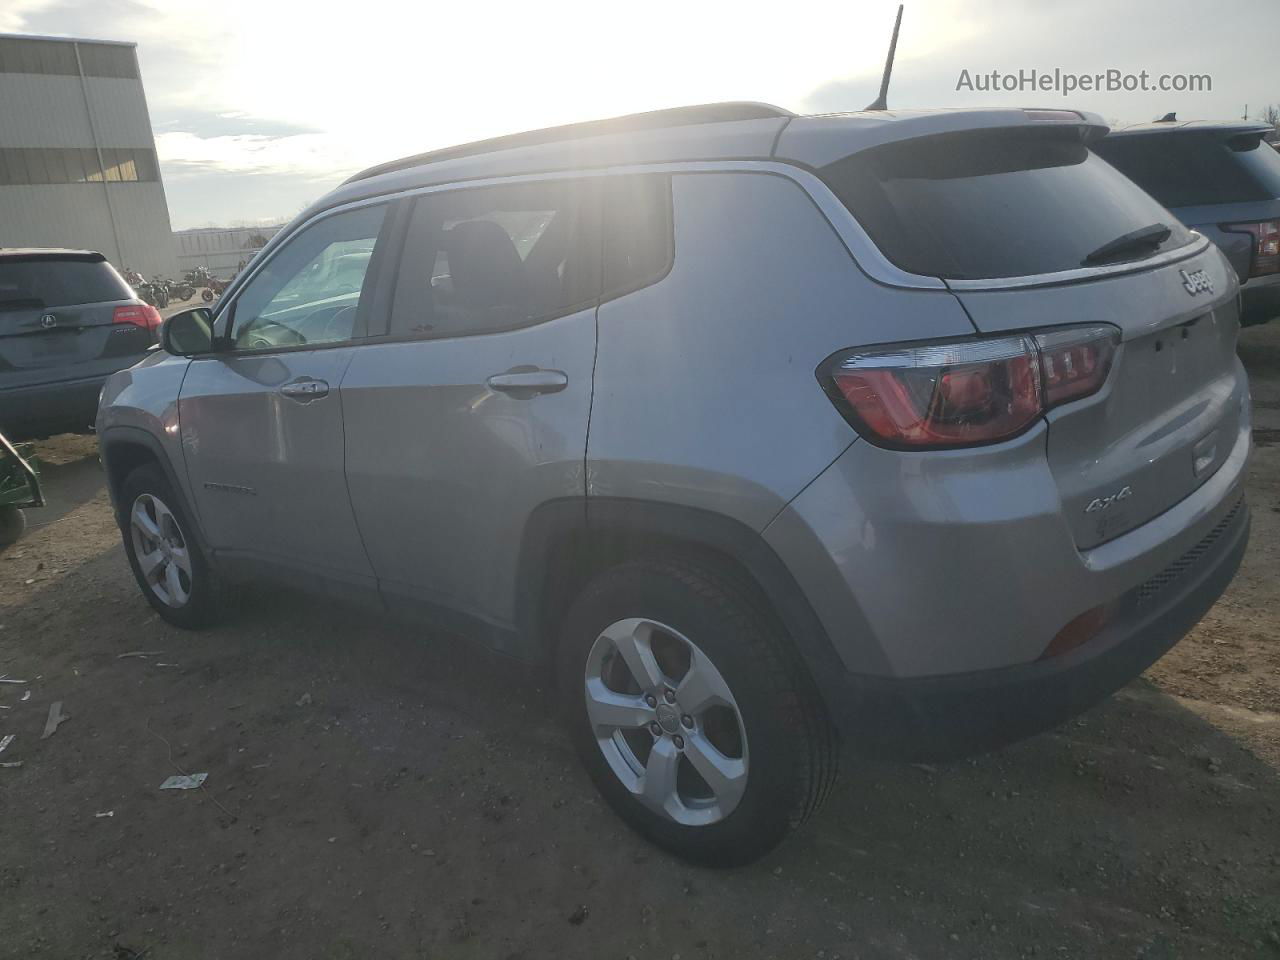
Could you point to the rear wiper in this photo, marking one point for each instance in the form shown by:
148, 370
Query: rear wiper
1131, 242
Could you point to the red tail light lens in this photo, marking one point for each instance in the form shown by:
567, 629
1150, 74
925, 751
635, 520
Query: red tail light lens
1074, 363
140, 315
1266, 245
967, 393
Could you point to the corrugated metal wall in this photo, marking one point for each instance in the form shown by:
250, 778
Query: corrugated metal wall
49, 110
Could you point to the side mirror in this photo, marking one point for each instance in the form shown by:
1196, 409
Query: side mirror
188, 333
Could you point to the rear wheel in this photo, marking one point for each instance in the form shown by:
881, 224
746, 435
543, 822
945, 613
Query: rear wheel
167, 561
691, 711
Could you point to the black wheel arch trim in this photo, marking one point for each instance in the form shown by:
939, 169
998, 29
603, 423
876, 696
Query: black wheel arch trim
556, 522
113, 439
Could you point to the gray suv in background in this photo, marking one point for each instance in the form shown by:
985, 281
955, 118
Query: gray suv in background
1220, 179
926, 428
67, 322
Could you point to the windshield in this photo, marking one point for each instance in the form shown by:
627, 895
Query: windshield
993, 204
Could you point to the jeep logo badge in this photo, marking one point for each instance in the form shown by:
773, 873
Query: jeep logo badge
1196, 282
48, 321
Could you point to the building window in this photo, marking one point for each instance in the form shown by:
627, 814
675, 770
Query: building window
41, 165
108, 60
27, 55
20, 55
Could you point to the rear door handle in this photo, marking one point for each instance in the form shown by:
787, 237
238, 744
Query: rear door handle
304, 391
523, 382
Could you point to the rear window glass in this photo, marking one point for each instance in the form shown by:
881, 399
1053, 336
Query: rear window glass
983, 204
36, 284
1192, 169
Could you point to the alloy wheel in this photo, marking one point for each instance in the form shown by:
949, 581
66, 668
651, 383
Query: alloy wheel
161, 550
666, 721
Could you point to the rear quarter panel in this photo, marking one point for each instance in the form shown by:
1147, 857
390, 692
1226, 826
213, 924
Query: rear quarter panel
705, 386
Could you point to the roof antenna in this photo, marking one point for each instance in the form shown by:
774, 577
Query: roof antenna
1168, 118
880, 102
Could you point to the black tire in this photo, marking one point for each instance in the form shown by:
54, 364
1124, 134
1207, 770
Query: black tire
201, 607
793, 750
13, 523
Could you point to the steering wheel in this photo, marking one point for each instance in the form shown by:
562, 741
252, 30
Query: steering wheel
274, 335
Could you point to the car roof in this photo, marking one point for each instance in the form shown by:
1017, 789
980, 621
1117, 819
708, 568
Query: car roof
48, 253
1224, 127
706, 132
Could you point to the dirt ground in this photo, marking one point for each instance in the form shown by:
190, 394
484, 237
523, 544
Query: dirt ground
377, 792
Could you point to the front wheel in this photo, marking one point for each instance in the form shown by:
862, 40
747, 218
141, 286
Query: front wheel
206, 295
166, 559
692, 712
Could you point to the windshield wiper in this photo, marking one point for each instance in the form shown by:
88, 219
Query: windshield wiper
1132, 242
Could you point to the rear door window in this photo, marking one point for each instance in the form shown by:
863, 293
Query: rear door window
45, 283
984, 204
1192, 169
496, 258
638, 240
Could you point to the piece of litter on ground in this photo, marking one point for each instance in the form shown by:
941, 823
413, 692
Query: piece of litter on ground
303, 700
56, 719
139, 653
26, 696
2, 707
109, 813
5, 679
5, 741
11, 763
166, 664
185, 782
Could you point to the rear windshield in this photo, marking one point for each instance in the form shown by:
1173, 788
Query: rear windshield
985, 204
1192, 169
36, 284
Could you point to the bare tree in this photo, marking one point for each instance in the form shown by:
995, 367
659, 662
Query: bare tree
1271, 115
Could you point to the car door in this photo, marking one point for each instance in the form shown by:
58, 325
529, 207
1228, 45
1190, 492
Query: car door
261, 418
476, 411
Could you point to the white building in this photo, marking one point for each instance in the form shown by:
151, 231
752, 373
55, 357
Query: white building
78, 161
221, 250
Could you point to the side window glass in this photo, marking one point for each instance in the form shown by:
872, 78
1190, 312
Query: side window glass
497, 258
311, 289
638, 238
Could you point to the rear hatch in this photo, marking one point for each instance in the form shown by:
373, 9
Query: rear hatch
1032, 231
57, 319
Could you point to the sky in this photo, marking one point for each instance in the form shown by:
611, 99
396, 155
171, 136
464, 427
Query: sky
260, 106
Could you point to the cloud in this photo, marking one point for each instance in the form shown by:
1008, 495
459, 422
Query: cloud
209, 123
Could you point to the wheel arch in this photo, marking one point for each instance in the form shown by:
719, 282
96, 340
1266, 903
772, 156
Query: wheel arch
123, 450
566, 542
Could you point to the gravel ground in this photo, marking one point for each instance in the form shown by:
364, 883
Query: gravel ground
375, 791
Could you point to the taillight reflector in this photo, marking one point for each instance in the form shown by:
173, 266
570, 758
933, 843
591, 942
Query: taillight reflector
969, 392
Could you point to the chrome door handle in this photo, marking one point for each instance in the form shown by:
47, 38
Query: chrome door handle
528, 381
305, 391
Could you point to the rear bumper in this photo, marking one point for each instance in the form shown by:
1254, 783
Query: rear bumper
935, 718
48, 408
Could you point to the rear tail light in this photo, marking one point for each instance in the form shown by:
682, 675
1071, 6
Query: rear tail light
1266, 245
140, 315
969, 392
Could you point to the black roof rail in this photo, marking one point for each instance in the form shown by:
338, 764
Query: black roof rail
630, 123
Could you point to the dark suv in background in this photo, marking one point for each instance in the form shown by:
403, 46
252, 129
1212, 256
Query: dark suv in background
67, 322
1222, 180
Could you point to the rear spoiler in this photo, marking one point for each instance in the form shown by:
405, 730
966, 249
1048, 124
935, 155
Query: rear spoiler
818, 141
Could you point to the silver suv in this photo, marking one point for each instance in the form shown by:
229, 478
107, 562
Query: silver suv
927, 428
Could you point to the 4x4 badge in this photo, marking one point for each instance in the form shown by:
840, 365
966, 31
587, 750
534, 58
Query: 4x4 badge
1196, 282
48, 321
